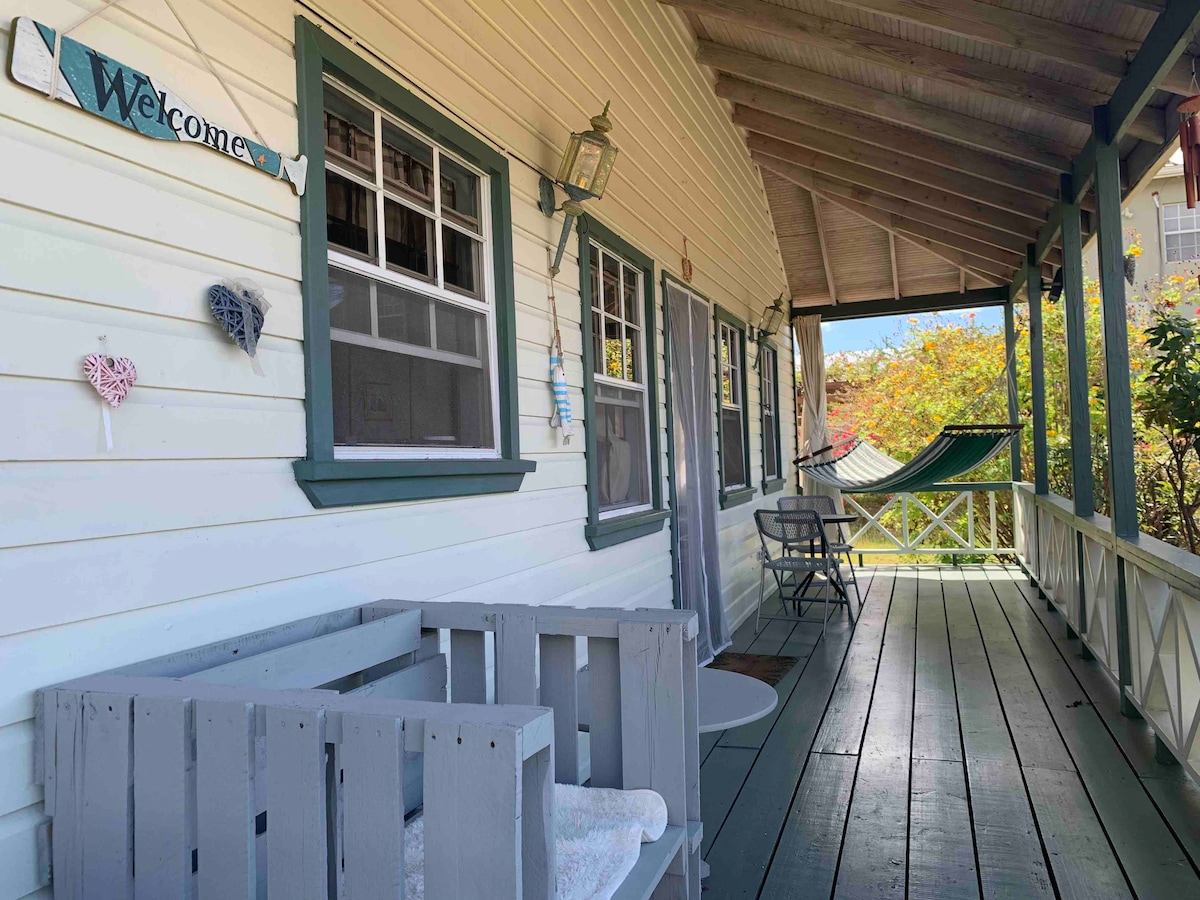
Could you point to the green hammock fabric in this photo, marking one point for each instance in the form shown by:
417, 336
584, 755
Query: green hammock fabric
958, 449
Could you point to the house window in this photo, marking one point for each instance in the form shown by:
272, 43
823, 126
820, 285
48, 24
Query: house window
624, 492
731, 425
410, 344
410, 317
768, 363
1181, 230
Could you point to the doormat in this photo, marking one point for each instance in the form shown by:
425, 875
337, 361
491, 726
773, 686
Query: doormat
770, 669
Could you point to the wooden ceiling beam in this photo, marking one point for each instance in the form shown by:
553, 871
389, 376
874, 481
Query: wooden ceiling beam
828, 263
987, 269
929, 174
1020, 145
1010, 244
907, 306
1093, 51
1032, 91
893, 138
962, 207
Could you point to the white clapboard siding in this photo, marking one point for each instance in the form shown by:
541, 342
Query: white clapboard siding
192, 528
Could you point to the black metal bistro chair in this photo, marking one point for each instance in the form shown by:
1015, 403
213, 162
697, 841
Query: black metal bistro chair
824, 506
795, 532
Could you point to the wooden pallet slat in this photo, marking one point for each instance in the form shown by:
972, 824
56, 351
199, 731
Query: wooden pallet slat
163, 797
560, 692
372, 763
226, 857
297, 861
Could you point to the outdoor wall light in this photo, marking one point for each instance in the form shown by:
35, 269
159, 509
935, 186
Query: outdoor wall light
770, 320
583, 174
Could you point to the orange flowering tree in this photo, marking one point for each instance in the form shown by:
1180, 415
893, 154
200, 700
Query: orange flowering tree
945, 369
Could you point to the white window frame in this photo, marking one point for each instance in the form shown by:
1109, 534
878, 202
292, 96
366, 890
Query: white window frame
437, 290
731, 337
641, 367
1182, 211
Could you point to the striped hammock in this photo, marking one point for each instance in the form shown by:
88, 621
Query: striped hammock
858, 468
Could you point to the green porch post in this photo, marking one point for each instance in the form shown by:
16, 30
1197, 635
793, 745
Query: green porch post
1014, 410
1118, 401
1037, 370
1075, 313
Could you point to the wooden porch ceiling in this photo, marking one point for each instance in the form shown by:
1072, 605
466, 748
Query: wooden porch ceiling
915, 149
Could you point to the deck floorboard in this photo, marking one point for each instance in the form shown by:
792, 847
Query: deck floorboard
953, 744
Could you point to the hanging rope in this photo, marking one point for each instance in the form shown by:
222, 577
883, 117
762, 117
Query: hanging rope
561, 418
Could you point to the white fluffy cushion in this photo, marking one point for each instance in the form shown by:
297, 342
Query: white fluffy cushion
598, 836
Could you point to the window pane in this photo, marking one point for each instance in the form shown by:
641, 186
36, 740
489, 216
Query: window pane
594, 269
350, 216
630, 286
622, 462
460, 262
349, 133
770, 446
633, 355
416, 398
409, 237
458, 330
349, 302
613, 364
612, 286
733, 460
403, 315
407, 165
460, 193
598, 360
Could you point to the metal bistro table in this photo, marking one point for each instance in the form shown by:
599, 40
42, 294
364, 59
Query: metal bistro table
729, 699
838, 519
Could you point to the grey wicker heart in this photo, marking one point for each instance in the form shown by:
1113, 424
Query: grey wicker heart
240, 314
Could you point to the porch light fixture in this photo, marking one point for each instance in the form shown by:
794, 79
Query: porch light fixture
583, 174
770, 320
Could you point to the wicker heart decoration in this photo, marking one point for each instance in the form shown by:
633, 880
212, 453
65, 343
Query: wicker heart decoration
112, 377
231, 305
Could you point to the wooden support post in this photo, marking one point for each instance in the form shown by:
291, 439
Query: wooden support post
1075, 312
1118, 400
1014, 411
1037, 371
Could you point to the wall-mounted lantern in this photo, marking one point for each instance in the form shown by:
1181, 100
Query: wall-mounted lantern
583, 174
770, 321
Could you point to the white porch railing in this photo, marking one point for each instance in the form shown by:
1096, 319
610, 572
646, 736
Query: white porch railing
965, 522
1135, 605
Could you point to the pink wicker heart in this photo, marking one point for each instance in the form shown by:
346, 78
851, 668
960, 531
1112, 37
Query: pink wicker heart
112, 377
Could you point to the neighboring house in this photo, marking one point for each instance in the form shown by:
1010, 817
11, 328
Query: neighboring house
1168, 232
405, 354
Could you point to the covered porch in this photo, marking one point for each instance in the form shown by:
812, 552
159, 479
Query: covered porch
959, 742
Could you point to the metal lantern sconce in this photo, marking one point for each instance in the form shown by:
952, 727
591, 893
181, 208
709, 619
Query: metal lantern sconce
583, 174
770, 320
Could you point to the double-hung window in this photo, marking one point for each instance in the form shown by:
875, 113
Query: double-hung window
731, 424
624, 494
408, 293
768, 364
1181, 230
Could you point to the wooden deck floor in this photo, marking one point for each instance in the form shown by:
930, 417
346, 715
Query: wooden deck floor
953, 744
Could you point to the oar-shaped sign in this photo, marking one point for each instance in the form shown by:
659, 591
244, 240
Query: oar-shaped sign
122, 95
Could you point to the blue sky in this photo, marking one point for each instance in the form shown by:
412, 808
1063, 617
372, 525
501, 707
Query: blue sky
860, 334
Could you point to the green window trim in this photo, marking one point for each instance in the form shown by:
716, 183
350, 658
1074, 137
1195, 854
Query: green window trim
770, 485
735, 496
606, 532
327, 481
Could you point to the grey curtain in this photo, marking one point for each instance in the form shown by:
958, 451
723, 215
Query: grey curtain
692, 394
814, 422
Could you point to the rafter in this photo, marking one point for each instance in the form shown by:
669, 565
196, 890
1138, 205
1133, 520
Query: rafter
970, 210
1081, 47
922, 172
985, 268
894, 138
974, 132
895, 268
1032, 91
829, 282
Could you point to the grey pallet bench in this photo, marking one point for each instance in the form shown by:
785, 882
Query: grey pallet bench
280, 764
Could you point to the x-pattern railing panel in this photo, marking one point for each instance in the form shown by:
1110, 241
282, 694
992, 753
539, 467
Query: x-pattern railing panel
940, 525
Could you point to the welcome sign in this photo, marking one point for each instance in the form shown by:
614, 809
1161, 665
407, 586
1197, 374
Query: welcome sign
124, 96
